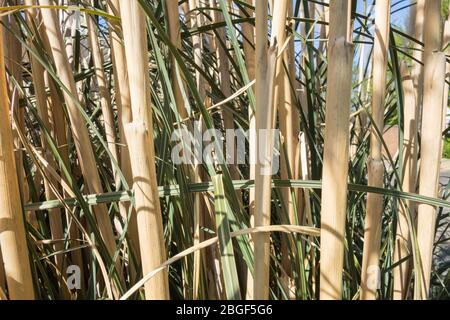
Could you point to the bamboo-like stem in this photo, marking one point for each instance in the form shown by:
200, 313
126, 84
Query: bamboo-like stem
59, 120
140, 133
293, 125
265, 76
174, 34
402, 238
78, 125
336, 151
372, 226
197, 44
105, 97
286, 113
12, 229
13, 56
431, 140
123, 99
248, 32
403, 241
123, 102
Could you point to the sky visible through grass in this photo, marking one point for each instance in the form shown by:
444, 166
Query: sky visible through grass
400, 10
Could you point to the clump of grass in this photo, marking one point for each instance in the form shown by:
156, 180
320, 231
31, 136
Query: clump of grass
88, 183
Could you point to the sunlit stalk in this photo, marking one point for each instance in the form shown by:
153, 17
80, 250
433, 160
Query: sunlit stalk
265, 113
336, 151
431, 140
372, 226
12, 229
141, 144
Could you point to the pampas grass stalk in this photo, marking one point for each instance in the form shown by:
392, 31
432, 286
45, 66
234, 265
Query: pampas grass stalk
265, 77
372, 227
411, 146
12, 228
336, 151
431, 142
140, 134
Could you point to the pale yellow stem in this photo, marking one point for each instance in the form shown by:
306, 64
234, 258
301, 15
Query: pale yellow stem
372, 227
140, 134
336, 151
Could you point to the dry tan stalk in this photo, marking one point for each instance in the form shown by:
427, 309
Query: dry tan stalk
12, 229
283, 102
402, 237
197, 44
372, 227
105, 97
303, 158
122, 95
123, 102
174, 33
431, 143
13, 57
336, 151
281, 78
140, 134
265, 76
431, 140
108, 114
293, 125
78, 125
248, 32
58, 118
